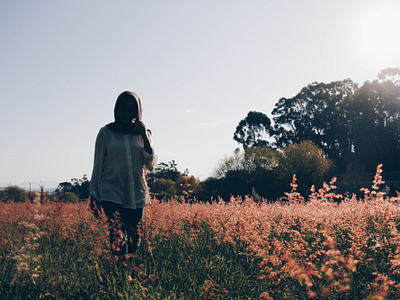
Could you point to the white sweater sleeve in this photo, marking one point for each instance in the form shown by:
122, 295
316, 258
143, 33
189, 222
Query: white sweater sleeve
150, 160
99, 154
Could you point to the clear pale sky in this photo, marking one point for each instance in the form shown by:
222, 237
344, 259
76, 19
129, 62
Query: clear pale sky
198, 66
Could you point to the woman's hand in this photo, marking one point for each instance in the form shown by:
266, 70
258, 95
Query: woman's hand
94, 205
141, 128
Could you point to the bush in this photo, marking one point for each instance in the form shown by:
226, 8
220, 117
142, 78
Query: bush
307, 162
164, 188
13, 193
69, 197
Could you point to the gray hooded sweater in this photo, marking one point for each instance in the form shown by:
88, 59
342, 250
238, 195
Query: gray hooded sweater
120, 164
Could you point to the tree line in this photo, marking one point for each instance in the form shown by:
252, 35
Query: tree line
337, 129
328, 129
356, 128
73, 191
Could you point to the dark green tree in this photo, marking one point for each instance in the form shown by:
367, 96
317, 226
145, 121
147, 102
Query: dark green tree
253, 130
80, 187
390, 74
356, 127
308, 163
374, 125
247, 172
167, 170
213, 188
64, 187
348, 123
314, 114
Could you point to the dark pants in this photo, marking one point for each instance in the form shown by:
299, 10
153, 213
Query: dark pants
123, 227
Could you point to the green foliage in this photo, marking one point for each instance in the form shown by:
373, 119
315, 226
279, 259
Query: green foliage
184, 186
354, 177
188, 186
32, 195
307, 162
253, 130
213, 188
357, 128
314, 114
250, 160
261, 158
68, 197
349, 123
80, 187
267, 173
166, 181
374, 126
164, 170
13, 193
390, 74
164, 188
229, 164
253, 170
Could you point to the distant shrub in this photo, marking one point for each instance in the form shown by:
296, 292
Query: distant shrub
13, 193
69, 197
32, 195
164, 188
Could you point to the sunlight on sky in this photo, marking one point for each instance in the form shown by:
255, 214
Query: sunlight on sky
376, 32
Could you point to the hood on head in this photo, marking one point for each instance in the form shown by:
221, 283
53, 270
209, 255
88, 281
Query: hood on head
130, 95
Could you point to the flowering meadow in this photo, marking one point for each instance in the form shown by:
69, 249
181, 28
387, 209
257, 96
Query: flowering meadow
328, 247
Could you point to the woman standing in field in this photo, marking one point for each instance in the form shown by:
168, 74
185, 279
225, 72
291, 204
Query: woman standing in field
123, 151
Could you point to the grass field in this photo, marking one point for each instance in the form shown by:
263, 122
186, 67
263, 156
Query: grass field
291, 249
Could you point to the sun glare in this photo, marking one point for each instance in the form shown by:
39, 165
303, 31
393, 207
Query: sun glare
376, 33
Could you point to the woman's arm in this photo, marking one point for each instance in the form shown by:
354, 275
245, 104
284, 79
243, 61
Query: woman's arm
147, 145
145, 136
150, 159
99, 154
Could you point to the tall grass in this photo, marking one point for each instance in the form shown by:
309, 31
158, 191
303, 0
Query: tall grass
292, 249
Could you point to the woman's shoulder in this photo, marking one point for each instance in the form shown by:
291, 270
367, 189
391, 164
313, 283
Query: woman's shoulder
105, 129
104, 132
